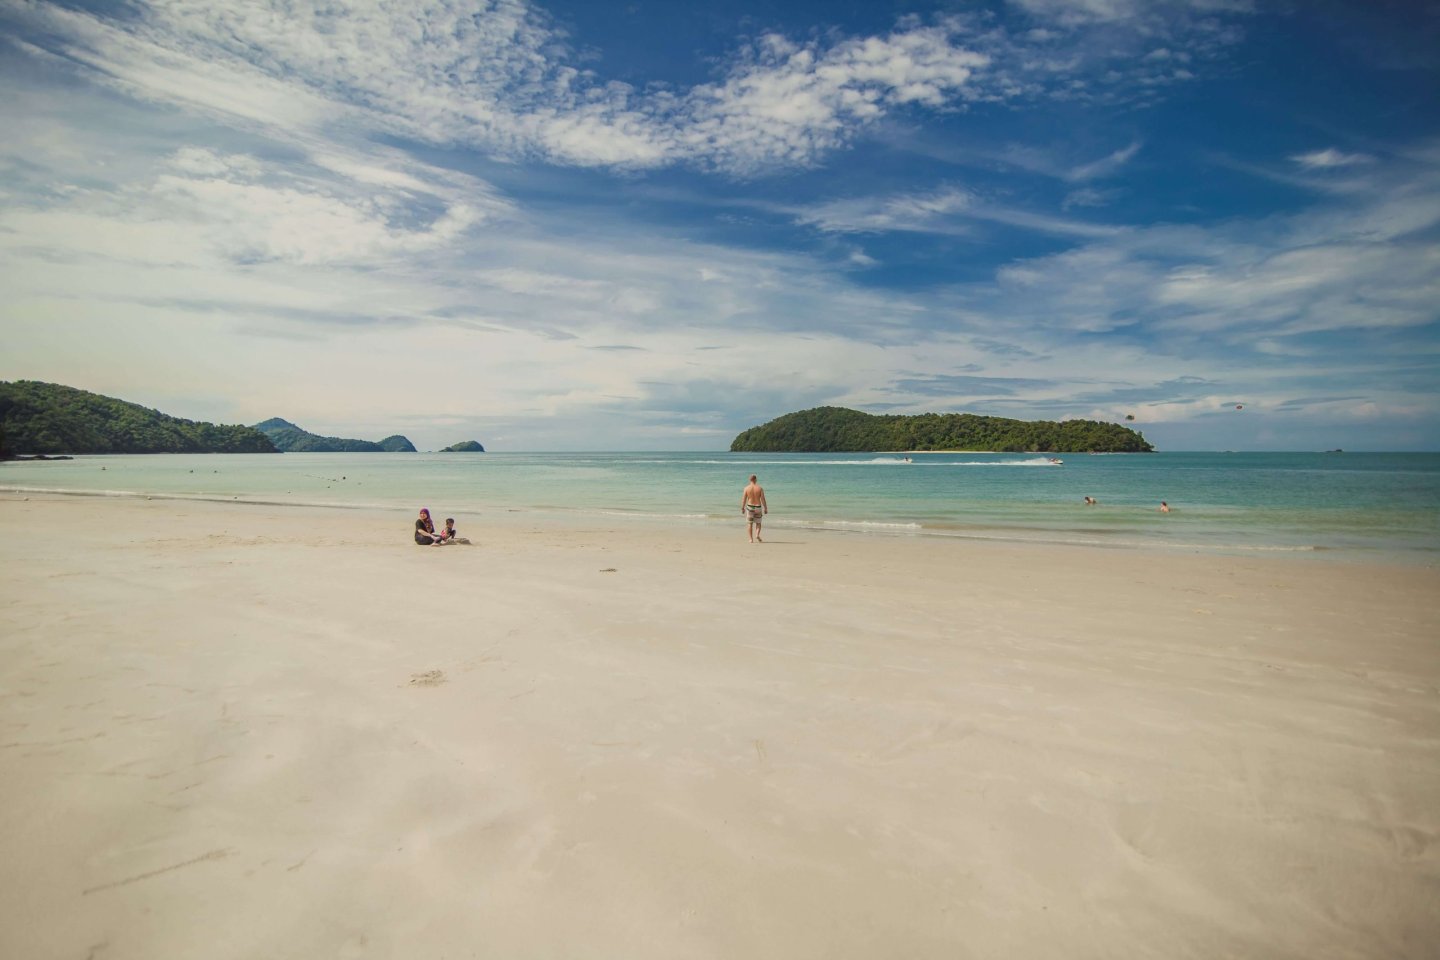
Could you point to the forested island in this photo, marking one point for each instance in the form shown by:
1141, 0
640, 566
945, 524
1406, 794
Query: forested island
464, 446
48, 418
837, 429
289, 438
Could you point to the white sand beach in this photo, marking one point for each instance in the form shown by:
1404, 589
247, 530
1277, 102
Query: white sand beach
237, 731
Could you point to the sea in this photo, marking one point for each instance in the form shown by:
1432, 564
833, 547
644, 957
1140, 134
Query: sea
1383, 507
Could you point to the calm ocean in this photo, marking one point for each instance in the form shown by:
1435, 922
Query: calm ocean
1359, 505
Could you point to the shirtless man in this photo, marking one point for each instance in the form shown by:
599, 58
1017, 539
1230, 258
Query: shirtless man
753, 505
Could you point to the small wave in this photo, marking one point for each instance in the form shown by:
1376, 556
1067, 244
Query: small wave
643, 514
202, 498
1043, 537
845, 525
63, 491
894, 462
872, 462
1032, 462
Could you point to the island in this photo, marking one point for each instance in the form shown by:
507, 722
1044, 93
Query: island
289, 438
40, 419
839, 429
464, 446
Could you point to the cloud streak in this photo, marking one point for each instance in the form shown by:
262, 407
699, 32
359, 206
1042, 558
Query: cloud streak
500, 75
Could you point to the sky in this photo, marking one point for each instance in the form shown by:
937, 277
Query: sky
644, 225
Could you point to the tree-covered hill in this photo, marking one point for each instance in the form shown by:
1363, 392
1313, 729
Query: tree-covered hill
291, 439
464, 446
395, 443
839, 429
48, 418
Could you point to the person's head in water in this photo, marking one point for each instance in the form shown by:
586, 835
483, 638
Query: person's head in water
752, 478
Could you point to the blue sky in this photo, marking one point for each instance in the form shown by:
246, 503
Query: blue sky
641, 225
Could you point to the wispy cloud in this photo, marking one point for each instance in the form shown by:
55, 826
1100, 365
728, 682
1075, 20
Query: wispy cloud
1330, 158
1361, 262
207, 207
1055, 162
501, 76
951, 211
1078, 12
934, 212
1105, 166
1088, 197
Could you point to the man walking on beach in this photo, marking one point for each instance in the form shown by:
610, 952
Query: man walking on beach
753, 505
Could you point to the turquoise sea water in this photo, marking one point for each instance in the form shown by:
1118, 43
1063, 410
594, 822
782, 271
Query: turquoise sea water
1361, 505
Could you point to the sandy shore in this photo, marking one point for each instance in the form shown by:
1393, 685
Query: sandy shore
240, 732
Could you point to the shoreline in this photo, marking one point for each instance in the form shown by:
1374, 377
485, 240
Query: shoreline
1053, 537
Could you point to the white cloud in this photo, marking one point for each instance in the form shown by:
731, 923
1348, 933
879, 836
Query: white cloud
1077, 12
946, 211
1081, 11
1331, 287
1087, 197
1105, 166
929, 213
1330, 158
493, 74
498, 75
210, 207
1043, 223
1053, 162
1362, 262
788, 103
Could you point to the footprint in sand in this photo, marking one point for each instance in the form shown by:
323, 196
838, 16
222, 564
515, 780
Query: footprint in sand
430, 678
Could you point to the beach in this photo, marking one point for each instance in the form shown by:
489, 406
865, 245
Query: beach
239, 731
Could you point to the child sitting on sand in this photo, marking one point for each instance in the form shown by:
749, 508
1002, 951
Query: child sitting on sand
448, 535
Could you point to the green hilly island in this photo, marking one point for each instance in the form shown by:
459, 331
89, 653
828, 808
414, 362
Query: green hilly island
838, 429
289, 438
50, 419
464, 446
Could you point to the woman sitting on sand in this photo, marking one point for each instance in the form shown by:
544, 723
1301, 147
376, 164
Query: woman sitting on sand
425, 534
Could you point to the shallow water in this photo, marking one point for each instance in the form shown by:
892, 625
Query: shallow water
1383, 506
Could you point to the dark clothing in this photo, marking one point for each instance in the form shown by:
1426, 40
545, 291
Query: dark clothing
424, 532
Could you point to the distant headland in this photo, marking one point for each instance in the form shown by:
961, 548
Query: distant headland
47, 420
50, 419
464, 446
838, 429
288, 438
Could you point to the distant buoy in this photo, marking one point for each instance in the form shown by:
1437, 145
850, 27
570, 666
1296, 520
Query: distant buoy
1239, 406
